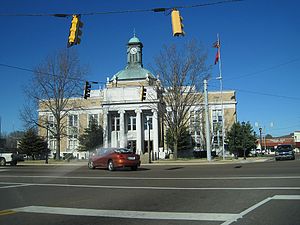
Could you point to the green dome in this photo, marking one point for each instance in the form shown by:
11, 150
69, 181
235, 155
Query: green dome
132, 73
134, 40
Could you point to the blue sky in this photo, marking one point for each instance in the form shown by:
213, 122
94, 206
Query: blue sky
259, 49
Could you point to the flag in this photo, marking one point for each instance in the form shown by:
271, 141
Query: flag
217, 45
217, 57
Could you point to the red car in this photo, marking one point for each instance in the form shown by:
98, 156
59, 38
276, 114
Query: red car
112, 158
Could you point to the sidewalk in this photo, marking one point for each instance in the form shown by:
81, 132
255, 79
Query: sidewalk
212, 162
54, 163
170, 162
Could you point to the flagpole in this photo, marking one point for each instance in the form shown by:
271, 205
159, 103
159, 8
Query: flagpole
220, 78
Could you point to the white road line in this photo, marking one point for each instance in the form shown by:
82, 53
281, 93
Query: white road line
156, 178
154, 187
286, 197
275, 197
128, 214
15, 186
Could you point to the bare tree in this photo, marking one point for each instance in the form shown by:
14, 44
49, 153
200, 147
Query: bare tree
181, 73
55, 83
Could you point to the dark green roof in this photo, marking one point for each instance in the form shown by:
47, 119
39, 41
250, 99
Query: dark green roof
133, 73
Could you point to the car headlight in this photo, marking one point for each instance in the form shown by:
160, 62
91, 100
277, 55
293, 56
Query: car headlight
290, 152
276, 153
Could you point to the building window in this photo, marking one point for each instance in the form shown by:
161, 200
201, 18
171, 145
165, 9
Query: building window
148, 120
131, 123
195, 121
217, 125
92, 118
73, 120
52, 144
73, 143
217, 116
73, 132
115, 123
51, 132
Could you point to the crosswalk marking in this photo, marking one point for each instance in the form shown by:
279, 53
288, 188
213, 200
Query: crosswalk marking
226, 218
128, 214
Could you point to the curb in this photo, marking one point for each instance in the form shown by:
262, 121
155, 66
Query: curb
174, 163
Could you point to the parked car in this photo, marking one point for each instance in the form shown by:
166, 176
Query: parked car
284, 152
11, 157
112, 158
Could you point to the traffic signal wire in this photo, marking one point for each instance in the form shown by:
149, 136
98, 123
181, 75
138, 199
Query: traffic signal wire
257, 93
122, 11
49, 74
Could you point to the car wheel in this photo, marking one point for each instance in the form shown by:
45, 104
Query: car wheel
91, 165
276, 159
2, 162
134, 168
110, 165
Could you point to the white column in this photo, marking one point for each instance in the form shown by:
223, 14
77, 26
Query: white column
105, 129
122, 128
138, 131
155, 132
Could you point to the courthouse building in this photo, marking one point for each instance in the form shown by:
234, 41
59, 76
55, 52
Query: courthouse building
126, 117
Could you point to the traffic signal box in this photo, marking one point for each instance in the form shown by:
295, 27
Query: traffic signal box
177, 23
143, 93
75, 31
87, 90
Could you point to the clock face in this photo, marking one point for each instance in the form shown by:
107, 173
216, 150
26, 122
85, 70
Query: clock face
133, 50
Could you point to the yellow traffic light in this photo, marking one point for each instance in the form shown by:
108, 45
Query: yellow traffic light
177, 23
75, 32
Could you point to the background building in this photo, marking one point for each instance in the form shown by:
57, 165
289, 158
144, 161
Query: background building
127, 110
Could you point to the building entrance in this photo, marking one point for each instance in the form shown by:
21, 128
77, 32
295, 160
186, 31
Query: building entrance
131, 144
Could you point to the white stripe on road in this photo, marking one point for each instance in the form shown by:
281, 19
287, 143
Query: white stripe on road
14, 186
152, 187
128, 214
228, 218
275, 197
157, 178
286, 197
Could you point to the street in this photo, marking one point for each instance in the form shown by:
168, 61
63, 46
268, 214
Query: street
241, 193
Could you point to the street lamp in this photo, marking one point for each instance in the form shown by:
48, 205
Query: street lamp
260, 139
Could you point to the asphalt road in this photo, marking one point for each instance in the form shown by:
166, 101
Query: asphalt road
254, 193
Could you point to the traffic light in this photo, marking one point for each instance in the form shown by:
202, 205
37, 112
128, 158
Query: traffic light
143, 93
87, 90
75, 31
177, 23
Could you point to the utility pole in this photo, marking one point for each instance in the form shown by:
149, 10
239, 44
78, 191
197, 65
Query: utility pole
207, 130
47, 138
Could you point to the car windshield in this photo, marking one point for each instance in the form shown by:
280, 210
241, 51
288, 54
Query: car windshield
123, 150
282, 148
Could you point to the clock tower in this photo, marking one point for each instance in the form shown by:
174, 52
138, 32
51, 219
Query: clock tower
134, 52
